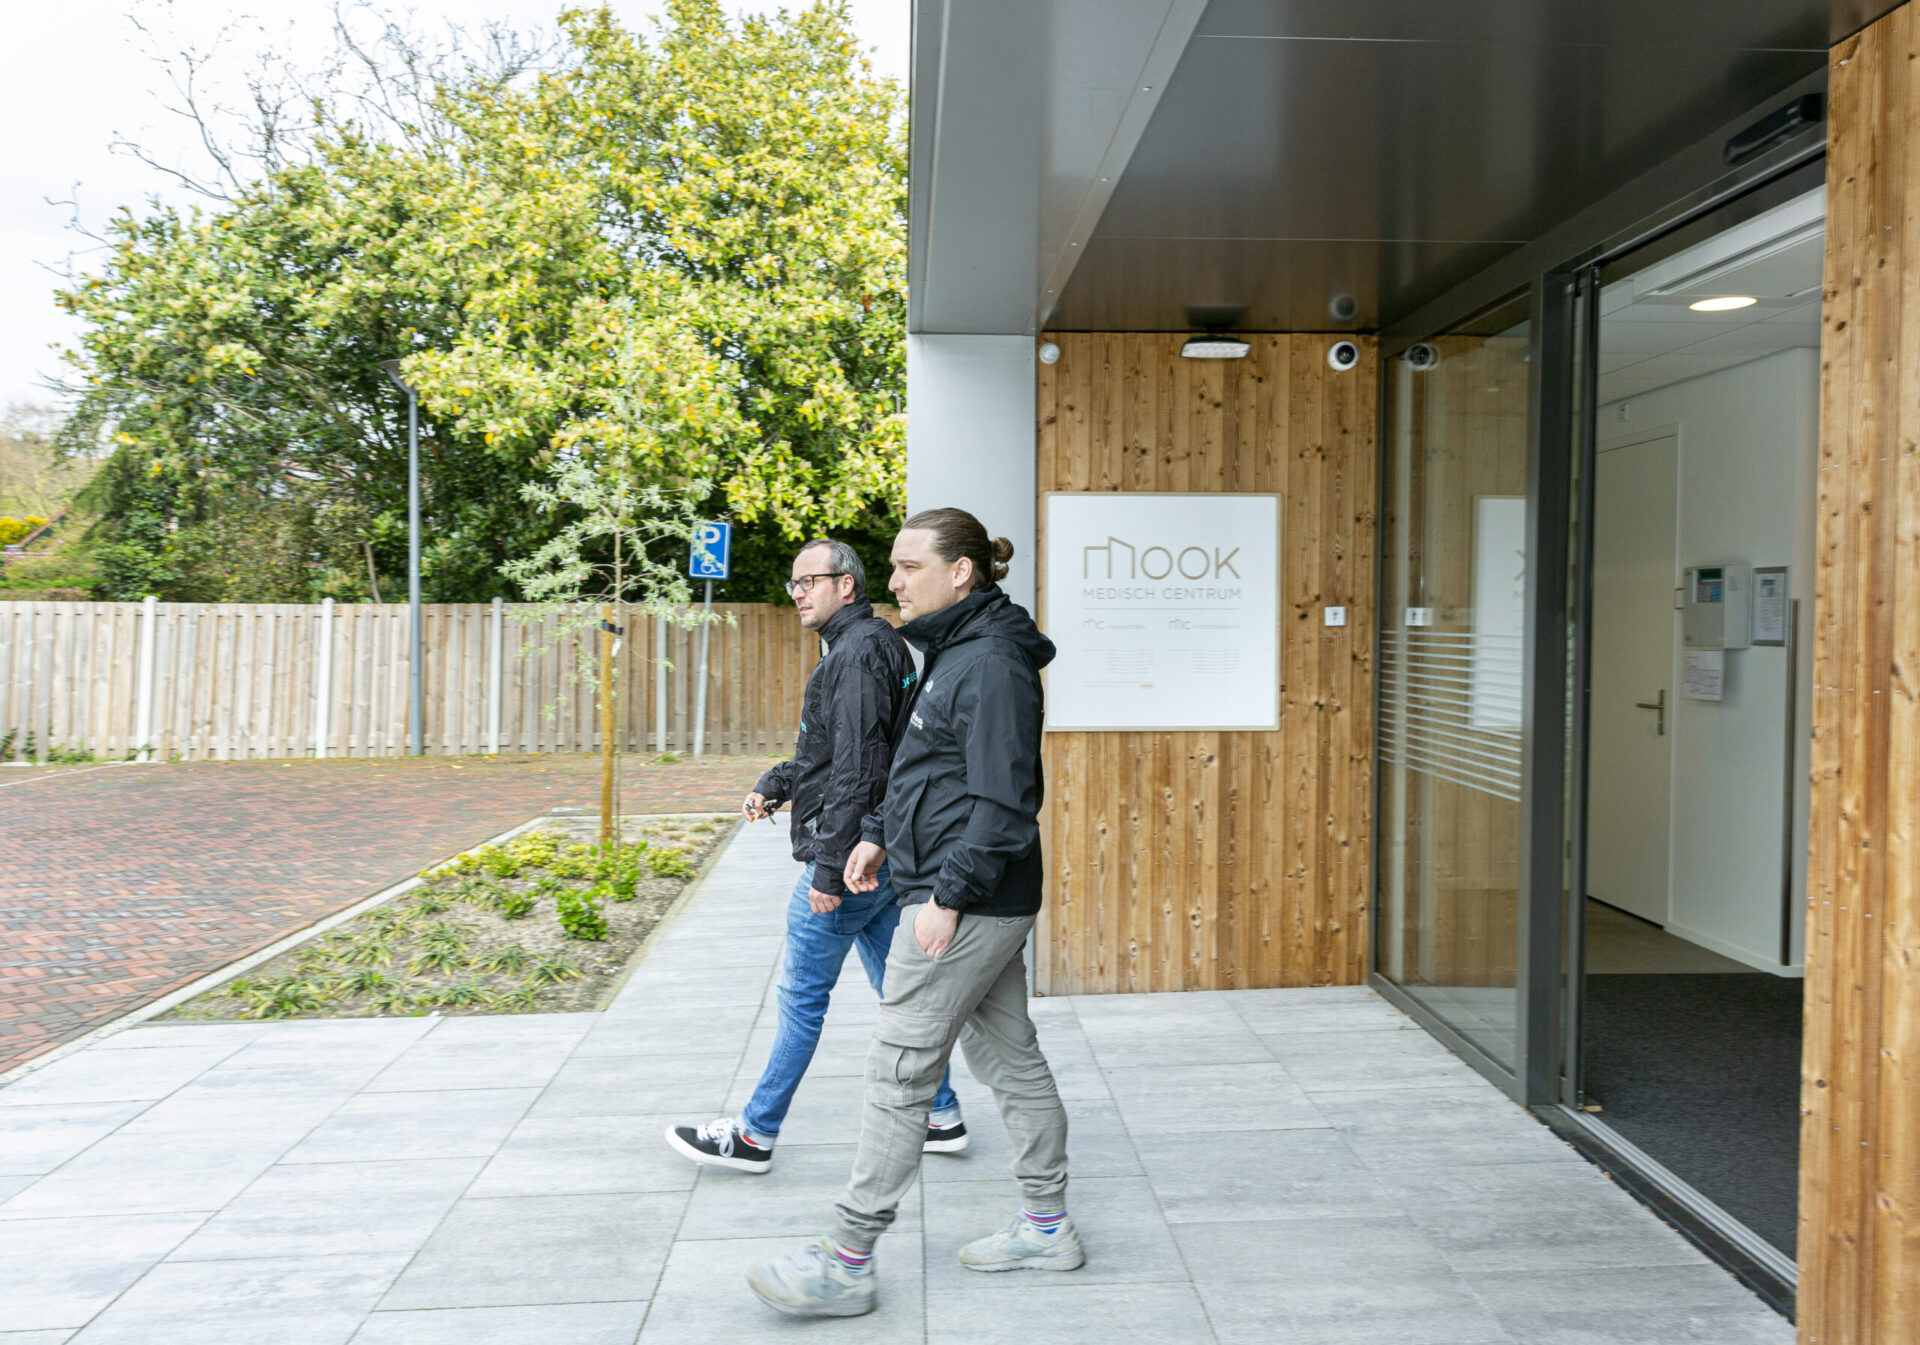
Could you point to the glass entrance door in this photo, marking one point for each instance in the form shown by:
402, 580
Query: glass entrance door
1453, 537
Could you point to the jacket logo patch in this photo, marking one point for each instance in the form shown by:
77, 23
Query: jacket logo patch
909, 680
803, 726
915, 717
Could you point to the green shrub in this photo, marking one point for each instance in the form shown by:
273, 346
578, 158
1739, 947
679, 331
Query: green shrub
576, 861
429, 902
536, 849
442, 947
363, 981
497, 861
580, 915
286, 997
521, 997
513, 959
551, 971
515, 905
459, 995
670, 864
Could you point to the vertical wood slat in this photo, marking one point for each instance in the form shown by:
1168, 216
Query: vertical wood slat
1221, 860
1859, 1239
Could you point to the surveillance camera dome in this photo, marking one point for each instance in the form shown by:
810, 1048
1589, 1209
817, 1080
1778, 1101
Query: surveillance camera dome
1049, 353
1421, 355
1343, 355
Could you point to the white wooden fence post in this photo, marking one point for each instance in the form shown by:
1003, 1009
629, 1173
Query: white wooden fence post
323, 681
660, 684
143, 696
493, 678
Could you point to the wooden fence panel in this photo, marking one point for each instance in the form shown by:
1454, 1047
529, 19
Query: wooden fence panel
236, 681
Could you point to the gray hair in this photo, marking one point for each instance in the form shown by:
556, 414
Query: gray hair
843, 560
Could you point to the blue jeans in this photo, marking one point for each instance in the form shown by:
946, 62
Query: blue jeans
816, 949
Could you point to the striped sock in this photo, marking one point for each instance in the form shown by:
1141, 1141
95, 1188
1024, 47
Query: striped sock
856, 1263
1047, 1221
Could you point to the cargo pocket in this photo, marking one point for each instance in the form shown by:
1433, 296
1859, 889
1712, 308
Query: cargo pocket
906, 1051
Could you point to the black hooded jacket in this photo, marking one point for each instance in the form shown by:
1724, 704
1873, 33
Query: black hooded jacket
855, 705
960, 822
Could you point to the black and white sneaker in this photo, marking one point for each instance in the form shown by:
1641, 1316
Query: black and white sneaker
945, 1139
721, 1144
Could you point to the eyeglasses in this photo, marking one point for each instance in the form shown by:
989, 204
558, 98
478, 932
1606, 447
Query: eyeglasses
804, 584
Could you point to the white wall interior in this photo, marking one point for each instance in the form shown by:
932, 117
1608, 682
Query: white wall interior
971, 438
1748, 440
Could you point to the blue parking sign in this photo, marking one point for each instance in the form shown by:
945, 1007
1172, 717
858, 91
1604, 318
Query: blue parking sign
712, 543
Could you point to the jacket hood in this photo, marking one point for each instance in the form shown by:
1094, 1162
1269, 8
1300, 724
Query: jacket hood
987, 611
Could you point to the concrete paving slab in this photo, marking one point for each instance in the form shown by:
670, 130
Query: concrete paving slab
141, 1174
825, 1110
1261, 1175
586, 1155
1017, 1307
1126, 1033
515, 1061
1204, 1098
39, 1139
645, 1085
35, 1337
145, 1036
672, 1030
1365, 1061
333, 1209
1465, 1125
1098, 1144
547, 1324
542, 1249
59, 1273
319, 1300
1643, 1305
1359, 1281
114, 1076
453, 1124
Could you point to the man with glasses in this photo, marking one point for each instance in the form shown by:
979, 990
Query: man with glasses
855, 708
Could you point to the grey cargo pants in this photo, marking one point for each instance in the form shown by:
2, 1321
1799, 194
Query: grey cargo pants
975, 993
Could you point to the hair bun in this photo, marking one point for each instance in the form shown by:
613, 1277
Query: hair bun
1002, 553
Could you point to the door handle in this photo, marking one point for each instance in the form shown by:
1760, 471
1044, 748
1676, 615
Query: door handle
1659, 707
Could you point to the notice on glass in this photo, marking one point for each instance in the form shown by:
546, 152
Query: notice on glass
1165, 610
1702, 674
1770, 595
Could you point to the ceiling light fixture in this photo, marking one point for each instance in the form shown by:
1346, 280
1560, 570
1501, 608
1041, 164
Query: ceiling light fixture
1214, 346
1726, 303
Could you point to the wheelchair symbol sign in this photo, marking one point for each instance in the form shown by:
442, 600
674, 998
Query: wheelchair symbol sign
711, 545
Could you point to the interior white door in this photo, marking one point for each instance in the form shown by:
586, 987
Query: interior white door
1630, 757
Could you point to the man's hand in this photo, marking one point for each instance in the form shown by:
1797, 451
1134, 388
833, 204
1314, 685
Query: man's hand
863, 867
823, 903
934, 927
754, 807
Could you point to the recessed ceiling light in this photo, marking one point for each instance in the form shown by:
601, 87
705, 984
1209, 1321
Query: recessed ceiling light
1724, 304
1214, 346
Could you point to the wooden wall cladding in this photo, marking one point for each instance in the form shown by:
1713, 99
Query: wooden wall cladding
1859, 1249
1201, 861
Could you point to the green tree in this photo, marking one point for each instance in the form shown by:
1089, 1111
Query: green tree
725, 197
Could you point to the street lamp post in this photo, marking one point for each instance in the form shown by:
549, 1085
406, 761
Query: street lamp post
416, 734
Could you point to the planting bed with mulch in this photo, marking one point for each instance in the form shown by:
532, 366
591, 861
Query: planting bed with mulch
545, 923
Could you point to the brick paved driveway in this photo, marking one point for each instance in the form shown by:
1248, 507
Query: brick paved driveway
120, 885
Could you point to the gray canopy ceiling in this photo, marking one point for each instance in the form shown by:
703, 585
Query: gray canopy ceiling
1107, 164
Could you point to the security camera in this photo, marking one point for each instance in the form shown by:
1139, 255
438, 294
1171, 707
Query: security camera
1343, 355
1420, 355
1049, 353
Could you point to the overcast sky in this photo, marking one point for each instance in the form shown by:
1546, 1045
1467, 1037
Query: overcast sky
76, 75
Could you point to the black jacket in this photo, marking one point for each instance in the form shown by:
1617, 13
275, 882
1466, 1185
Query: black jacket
961, 816
855, 705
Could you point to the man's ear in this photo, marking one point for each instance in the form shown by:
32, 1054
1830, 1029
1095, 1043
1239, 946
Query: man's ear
963, 571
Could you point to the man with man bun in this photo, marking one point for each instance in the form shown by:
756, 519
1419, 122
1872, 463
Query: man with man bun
959, 832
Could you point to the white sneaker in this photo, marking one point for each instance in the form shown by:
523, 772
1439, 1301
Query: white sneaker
1021, 1246
812, 1282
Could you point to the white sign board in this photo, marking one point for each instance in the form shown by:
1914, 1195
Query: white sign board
1165, 610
